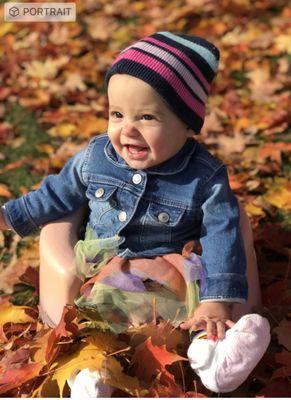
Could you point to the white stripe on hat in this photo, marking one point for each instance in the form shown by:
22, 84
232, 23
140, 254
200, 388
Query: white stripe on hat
179, 68
206, 54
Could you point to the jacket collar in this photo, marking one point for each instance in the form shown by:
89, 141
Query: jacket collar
172, 166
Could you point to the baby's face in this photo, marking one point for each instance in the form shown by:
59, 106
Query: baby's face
142, 129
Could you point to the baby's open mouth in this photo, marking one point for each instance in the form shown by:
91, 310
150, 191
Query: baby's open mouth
136, 151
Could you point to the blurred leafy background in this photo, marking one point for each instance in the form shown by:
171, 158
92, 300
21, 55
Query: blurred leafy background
53, 101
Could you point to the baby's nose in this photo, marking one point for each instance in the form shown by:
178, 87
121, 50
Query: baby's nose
130, 130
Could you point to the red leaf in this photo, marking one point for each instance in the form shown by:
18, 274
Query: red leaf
18, 374
152, 359
65, 329
31, 276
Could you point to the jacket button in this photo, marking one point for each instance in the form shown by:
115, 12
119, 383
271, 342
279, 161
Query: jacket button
136, 179
163, 217
122, 216
99, 192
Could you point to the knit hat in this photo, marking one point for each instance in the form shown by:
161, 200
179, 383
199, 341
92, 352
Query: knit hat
179, 67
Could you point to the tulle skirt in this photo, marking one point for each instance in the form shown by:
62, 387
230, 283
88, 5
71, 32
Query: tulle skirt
119, 293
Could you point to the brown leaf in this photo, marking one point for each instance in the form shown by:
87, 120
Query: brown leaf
283, 333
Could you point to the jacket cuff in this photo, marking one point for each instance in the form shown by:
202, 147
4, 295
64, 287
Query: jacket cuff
19, 217
228, 287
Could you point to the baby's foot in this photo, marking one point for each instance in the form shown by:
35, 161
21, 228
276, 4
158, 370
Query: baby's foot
225, 364
86, 384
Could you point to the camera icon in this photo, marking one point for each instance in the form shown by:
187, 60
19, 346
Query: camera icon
14, 11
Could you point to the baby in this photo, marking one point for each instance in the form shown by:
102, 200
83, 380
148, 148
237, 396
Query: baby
152, 190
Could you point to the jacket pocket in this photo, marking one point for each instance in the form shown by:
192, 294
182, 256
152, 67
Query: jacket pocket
161, 215
102, 200
159, 222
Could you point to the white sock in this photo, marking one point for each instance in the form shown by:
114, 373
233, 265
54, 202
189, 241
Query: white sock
87, 384
223, 365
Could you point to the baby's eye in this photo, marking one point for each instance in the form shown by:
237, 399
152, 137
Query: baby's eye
148, 117
116, 114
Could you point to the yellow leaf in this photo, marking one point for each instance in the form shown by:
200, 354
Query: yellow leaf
46, 148
90, 125
14, 314
95, 355
5, 28
88, 356
251, 209
123, 34
118, 379
283, 43
249, 156
279, 195
63, 130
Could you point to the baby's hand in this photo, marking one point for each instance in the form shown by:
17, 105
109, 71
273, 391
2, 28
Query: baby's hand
212, 316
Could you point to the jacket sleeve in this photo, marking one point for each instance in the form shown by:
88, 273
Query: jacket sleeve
58, 195
223, 256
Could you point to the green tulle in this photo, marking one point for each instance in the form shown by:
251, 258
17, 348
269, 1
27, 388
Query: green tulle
93, 253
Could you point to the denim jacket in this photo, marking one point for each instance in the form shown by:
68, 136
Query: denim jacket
154, 211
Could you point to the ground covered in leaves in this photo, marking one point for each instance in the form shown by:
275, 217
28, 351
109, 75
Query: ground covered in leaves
53, 101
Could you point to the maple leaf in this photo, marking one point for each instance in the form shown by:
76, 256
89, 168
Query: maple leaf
161, 333
95, 355
14, 314
262, 85
46, 69
152, 359
18, 374
232, 144
66, 329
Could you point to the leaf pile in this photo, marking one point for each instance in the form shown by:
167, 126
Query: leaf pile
37, 360
52, 101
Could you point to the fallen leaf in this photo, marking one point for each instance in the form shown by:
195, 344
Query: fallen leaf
4, 191
152, 359
14, 314
283, 333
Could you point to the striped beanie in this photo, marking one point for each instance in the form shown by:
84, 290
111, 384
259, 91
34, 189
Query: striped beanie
179, 67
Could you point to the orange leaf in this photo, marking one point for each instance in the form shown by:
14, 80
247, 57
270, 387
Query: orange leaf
4, 191
18, 374
65, 329
152, 359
